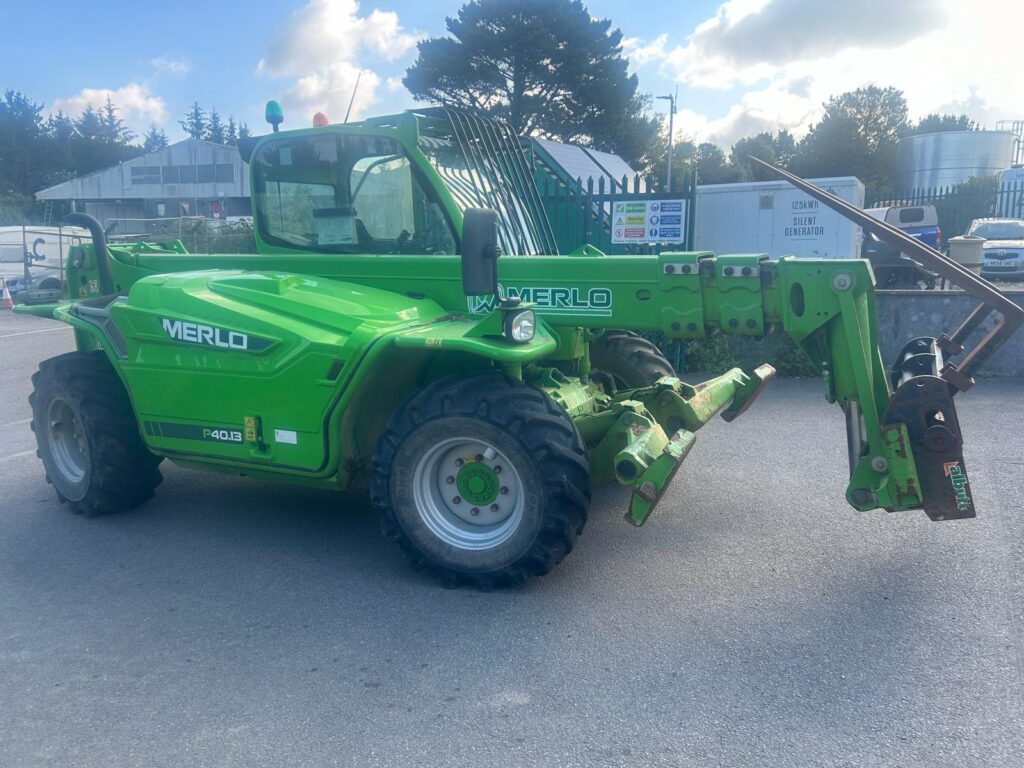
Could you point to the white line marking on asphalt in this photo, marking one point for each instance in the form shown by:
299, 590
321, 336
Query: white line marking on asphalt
16, 423
14, 456
29, 333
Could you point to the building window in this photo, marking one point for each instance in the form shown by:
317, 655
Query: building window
187, 174
205, 174
225, 173
145, 174
171, 175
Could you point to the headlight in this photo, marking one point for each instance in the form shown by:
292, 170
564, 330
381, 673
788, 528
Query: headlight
520, 326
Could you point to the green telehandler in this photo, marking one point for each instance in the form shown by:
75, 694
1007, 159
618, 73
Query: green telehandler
377, 341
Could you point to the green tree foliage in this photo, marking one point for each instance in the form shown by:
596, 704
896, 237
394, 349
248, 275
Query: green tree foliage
682, 160
545, 66
214, 129
37, 153
712, 166
194, 123
778, 149
22, 157
112, 127
856, 136
935, 123
154, 139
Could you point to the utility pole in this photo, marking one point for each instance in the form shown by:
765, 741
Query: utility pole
671, 115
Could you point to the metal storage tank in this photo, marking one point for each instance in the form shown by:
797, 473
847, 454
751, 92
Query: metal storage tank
949, 157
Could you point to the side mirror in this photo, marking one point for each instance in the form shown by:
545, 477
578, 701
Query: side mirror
480, 252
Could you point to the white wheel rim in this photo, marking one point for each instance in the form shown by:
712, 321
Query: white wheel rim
465, 467
68, 446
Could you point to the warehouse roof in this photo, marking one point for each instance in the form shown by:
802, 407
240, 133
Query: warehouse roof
189, 168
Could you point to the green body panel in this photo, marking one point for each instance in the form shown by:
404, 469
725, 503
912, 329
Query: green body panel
682, 295
255, 369
334, 342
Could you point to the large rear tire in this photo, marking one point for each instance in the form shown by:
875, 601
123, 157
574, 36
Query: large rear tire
482, 480
87, 436
630, 360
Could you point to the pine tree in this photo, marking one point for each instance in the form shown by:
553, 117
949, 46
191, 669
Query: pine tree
89, 125
96, 144
114, 129
232, 131
20, 127
214, 129
155, 139
60, 130
547, 67
243, 131
194, 123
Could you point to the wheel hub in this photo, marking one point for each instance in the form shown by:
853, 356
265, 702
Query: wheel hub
477, 483
468, 493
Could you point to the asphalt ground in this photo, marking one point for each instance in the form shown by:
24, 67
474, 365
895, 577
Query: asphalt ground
756, 620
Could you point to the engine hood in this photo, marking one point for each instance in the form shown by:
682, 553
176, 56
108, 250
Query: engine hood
271, 302
989, 245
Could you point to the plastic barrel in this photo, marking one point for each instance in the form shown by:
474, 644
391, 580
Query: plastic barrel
965, 250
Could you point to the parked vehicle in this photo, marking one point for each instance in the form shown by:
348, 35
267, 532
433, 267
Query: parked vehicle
1002, 254
36, 288
1011, 192
357, 351
892, 268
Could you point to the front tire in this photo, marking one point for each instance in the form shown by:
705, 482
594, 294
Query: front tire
482, 480
87, 436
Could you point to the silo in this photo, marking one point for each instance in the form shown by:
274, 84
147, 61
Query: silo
949, 157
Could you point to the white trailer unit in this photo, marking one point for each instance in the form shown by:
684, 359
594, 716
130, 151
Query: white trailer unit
43, 242
775, 218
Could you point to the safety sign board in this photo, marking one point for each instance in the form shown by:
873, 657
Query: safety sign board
649, 221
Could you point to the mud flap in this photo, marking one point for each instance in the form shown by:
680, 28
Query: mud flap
925, 405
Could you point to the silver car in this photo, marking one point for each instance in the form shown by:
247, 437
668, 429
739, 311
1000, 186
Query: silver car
1002, 255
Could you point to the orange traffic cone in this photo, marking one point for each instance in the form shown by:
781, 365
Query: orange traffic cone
8, 302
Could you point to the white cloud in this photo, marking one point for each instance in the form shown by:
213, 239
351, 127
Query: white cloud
320, 47
165, 65
786, 57
744, 37
136, 105
640, 53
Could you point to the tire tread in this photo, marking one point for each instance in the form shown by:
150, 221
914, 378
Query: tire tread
543, 429
124, 472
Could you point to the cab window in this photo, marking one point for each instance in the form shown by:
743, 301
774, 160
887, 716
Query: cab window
346, 194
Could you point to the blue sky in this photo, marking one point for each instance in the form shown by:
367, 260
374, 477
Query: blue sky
740, 65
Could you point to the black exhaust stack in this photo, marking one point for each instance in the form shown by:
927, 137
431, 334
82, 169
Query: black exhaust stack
99, 246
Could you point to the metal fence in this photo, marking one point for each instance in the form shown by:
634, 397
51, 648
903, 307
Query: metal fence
582, 213
959, 204
41, 251
199, 234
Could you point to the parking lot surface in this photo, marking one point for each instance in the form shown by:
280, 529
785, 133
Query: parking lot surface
755, 620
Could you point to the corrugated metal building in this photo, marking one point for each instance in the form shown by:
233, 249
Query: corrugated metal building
190, 178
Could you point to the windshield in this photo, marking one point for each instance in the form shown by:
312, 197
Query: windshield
346, 194
998, 230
